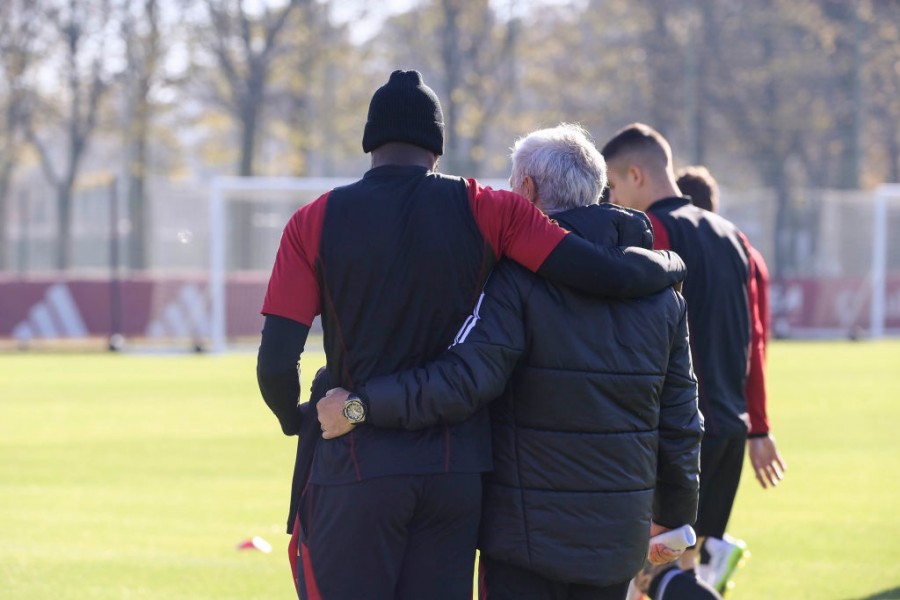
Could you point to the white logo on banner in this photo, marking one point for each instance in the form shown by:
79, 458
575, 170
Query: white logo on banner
55, 316
185, 316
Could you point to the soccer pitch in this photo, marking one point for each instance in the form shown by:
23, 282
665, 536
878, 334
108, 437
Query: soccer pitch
135, 477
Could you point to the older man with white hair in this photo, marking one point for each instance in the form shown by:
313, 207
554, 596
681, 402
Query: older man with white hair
595, 425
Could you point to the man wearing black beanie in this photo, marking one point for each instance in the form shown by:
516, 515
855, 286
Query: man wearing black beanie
394, 263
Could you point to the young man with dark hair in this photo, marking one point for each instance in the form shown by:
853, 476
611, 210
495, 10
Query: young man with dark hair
698, 184
393, 263
727, 336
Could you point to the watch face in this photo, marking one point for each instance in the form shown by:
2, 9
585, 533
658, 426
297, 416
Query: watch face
354, 411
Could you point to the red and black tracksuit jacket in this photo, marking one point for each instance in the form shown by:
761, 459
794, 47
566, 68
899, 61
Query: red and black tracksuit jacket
727, 334
394, 262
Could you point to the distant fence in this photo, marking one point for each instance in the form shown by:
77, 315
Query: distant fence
178, 308
825, 291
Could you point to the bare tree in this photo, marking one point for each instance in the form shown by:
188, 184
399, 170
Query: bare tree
882, 93
245, 47
140, 33
477, 55
79, 26
765, 60
18, 23
466, 52
324, 109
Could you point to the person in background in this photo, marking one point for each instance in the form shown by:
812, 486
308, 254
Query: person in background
698, 184
393, 263
727, 334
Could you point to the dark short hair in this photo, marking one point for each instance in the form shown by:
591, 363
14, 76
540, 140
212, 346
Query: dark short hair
698, 183
638, 139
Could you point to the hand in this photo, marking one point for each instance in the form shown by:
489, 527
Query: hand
661, 554
331, 414
767, 463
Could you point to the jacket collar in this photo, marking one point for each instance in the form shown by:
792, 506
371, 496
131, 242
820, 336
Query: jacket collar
396, 171
670, 203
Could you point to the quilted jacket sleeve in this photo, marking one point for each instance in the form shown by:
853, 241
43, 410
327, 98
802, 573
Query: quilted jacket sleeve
680, 432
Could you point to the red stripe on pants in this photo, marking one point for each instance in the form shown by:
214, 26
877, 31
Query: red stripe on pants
312, 588
293, 551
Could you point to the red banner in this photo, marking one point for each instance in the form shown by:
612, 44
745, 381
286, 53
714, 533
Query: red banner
841, 305
174, 308
135, 307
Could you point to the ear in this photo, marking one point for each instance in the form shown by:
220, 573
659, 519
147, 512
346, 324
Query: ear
529, 189
636, 174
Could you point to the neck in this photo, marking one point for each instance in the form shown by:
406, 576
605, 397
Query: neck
402, 154
664, 188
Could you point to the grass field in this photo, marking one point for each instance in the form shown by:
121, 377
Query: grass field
132, 477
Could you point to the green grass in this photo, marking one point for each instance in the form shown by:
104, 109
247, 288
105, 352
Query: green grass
136, 476
832, 528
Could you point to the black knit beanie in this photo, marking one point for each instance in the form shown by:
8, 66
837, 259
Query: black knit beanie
405, 110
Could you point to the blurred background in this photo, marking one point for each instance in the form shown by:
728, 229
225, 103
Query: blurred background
129, 130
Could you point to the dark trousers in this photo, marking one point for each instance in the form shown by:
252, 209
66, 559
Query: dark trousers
502, 581
721, 461
400, 537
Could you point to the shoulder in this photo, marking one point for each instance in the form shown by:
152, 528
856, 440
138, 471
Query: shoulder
509, 277
509, 272
308, 218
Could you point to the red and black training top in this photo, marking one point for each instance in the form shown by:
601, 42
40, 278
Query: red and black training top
727, 333
394, 264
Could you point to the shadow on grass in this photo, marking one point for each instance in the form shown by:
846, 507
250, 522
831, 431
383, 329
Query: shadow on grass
893, 594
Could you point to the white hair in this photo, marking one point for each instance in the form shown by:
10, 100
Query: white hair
564, 164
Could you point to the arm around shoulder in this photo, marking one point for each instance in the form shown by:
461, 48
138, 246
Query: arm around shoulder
464, 378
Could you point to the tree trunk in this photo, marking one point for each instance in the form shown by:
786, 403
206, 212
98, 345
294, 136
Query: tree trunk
137, 208
5, 180
893, 150
64, 227
852, 84
248, 140
783, 221
664, 68
243, 211
698, 67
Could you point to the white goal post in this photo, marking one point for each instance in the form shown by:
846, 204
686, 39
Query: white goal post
289, 194
879, 258
252, 189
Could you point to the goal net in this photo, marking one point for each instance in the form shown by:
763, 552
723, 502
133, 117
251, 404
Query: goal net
834, 267
835, 270
246, 217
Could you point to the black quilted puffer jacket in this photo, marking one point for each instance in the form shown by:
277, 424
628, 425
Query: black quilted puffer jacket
593, 406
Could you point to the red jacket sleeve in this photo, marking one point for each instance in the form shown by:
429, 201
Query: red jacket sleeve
762, 292
513, 226
293, 290
755, 389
